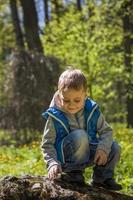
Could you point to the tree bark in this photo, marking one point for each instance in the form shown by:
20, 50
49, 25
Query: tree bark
46, 11
57, 8
31, 25
16, 24
128, 52
79, 5
41, 188
33, 77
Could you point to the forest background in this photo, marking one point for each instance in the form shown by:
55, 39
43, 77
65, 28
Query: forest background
38, 39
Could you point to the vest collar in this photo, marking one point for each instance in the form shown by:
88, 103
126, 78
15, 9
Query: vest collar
61, 122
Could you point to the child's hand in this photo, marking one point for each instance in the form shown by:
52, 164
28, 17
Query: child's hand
54, 171
100, 157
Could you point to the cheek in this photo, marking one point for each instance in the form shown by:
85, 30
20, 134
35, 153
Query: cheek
64, 105
82, 102
81, 105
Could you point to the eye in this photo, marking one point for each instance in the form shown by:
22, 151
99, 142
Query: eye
77, 101
66, 101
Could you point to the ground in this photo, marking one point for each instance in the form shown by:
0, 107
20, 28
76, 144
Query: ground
41, 188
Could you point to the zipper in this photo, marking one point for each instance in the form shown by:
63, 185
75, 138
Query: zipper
77, 119
63, 157
93, 110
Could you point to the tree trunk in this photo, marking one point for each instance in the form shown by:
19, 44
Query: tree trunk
128, 52
57, 8
79, 5
41, 188
31, 25
32, 89
46, 11
16, 24
33, 76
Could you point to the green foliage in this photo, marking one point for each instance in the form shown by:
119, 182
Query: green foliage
91, 40
28, 159
94, 44
7, 40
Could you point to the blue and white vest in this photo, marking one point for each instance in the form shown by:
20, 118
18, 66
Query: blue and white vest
91, 115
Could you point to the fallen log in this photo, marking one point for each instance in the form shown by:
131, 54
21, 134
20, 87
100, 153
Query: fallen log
41, 188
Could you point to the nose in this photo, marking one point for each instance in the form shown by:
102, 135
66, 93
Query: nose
71, 102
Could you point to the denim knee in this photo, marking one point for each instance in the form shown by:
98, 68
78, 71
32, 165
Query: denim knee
81, 140
116, 151
76, 145
80, 137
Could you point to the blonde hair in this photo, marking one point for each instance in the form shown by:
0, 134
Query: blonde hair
72, 79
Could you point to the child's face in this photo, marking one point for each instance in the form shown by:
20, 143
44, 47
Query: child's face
73, 100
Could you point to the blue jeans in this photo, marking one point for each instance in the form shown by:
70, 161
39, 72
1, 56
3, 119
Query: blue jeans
79, 154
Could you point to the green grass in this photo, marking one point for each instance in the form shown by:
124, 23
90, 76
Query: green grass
28, 159
22, 160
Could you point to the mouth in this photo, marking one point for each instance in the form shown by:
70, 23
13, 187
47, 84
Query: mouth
71, 109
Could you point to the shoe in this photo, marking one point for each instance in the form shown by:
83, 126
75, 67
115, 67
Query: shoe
109, 184
75, 176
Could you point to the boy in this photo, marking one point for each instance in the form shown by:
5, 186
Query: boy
70, 142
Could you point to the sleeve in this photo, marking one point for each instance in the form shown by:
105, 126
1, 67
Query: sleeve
105, 134
47, 146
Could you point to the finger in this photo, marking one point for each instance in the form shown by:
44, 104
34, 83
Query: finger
55, 173
50, 176
96, 158
105, 161
100, 161
54, 170
60, 170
